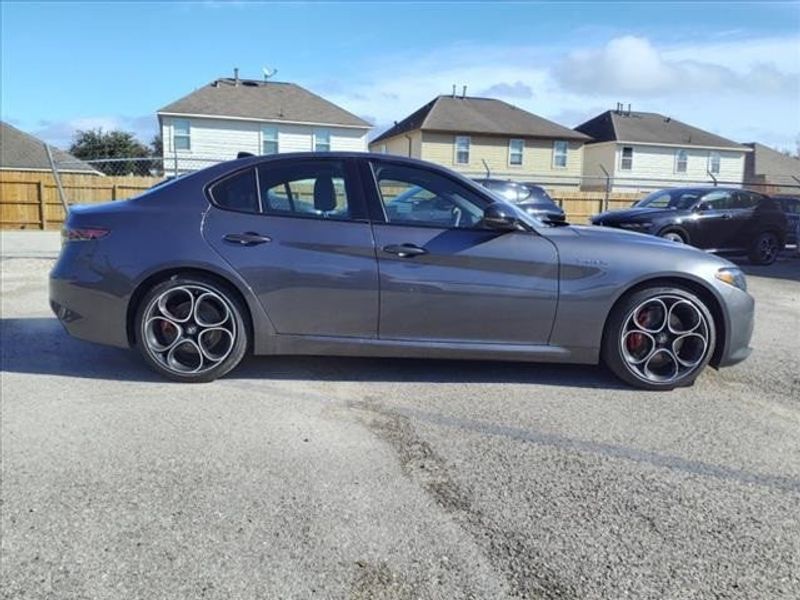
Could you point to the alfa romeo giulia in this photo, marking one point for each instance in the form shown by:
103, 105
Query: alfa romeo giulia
373, 255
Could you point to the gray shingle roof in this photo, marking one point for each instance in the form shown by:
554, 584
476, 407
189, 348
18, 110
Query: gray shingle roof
481, 116
20, 150
262, 100
650, 128
771, 163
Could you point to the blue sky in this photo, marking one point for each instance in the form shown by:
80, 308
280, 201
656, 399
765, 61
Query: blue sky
732, 68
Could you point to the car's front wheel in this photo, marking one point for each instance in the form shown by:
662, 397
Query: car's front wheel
659, 338
674, 235
191, 329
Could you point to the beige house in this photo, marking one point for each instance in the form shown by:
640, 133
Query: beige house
641, 151
480, 136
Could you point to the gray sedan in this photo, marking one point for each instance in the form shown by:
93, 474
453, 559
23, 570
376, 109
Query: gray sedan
371, 255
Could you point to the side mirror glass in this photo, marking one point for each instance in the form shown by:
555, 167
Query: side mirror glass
700, 207
501, 217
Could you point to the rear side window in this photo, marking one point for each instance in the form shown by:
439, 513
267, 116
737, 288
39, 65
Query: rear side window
238, 192
313, 188
745, 200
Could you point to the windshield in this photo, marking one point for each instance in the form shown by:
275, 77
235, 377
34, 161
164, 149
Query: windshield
678, 199
537, 195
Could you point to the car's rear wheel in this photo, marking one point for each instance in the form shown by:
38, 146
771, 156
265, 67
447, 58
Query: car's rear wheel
765, 249
659, 338
674, 236
191, 329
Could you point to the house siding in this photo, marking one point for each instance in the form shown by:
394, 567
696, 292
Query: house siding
655, 166
399, 145
537, 158
215, 140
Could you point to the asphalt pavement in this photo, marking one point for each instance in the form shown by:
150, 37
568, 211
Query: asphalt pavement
370, 478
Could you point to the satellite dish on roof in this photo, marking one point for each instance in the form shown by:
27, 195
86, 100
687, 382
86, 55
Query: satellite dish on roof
269, 73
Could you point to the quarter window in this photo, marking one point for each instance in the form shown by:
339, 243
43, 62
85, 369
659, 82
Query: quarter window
681, 161
181, 134
322, 140
238, 192
269, 140
416, 197
515, 150
560, 154
714, 162
626, 161
462, 149
314, 189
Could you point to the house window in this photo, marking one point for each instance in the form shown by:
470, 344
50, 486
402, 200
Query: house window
269, 140
462, 149
515, 149
322, 140
560, 154
626, 163
681, 161
713, 162
181, 135
383, 149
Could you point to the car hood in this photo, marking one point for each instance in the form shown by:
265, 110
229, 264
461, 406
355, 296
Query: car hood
633, 214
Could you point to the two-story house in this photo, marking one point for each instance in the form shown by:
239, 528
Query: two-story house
475, 135
642, 150
232, 115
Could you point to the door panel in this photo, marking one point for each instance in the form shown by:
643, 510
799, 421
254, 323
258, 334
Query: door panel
311, 262
469, 285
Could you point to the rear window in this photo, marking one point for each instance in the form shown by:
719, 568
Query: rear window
237, 192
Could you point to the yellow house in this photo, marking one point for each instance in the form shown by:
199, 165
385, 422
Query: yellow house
482, 137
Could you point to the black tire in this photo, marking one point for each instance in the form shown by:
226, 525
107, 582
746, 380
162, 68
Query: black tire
619, 328
215, 347
675, 235
764, 249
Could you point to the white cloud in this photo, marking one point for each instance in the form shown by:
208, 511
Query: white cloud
633, 65
743, 89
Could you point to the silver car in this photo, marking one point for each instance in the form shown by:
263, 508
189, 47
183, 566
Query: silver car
371, 255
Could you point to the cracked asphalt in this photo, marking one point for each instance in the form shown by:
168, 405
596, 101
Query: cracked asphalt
370, 478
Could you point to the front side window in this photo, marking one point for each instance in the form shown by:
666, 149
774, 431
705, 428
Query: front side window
713, 162
719, 200
681, 161
269, 140
238, 192
314, 188
181, 134
515, 150
462, 150
418, 197
322, 140
626, 160
560, 154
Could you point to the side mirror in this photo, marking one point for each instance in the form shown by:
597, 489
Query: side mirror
501, 217
700, 207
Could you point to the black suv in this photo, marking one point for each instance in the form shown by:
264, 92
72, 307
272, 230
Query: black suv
721, 220
530, 197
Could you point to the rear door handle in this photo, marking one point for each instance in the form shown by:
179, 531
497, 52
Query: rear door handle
248, 238
405, 250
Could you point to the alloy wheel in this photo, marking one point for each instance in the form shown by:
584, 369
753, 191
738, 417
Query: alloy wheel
664, 339
189, 329
767, 248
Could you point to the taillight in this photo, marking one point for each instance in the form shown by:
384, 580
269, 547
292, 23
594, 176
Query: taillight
83, 234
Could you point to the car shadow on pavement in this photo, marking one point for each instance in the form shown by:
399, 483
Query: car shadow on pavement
786, 267
39, 346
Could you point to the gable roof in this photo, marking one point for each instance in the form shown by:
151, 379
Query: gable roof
766, 161
20, 150
651, 128
263, 101
479, 115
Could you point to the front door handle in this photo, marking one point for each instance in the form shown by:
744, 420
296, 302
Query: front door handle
248, 238
405, 250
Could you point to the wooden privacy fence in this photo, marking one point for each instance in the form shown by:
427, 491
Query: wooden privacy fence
29, 199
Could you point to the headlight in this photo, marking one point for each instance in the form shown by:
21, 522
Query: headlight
639, 226
732, 276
